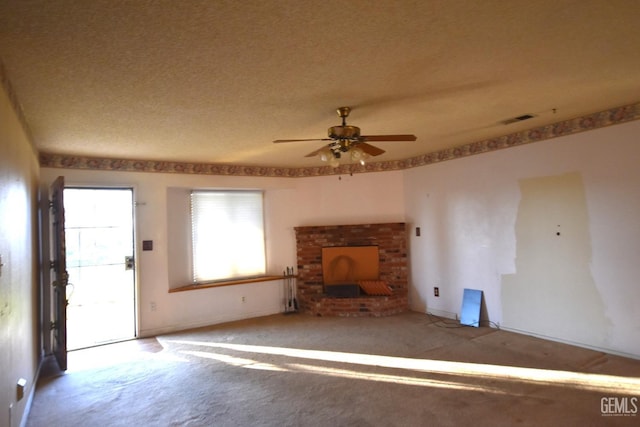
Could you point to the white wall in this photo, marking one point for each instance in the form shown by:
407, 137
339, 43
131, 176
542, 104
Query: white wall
491, 222
488, 222
289, 202
20, 348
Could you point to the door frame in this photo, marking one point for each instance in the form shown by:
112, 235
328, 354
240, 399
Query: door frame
46, 293
135, 251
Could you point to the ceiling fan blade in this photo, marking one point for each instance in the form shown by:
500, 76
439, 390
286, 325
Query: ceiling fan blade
316, 152
388, 138
370, 149
277, 141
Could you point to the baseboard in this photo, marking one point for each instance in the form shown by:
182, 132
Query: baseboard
27, 406
32, 392
573, 343
147, 333
442, 313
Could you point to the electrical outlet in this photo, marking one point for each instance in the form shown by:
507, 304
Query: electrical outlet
152, 306
244, 299
436, 291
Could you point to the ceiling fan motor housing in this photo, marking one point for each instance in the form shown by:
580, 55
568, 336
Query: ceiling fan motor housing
344, 132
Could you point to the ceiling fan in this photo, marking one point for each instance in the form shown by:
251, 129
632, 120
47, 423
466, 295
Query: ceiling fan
345, 138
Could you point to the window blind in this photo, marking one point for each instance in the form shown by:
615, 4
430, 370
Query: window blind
227, 235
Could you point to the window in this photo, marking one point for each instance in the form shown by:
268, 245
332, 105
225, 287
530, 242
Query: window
227, 235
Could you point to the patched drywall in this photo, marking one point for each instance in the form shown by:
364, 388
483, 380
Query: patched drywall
553, 292
489, 222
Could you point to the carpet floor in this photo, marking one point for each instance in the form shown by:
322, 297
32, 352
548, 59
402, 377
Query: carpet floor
298, 370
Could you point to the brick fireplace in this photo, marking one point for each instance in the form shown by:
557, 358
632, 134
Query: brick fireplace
391, 240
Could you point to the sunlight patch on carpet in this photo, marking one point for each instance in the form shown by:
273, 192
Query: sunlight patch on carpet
395, 379
478, 371
236, 361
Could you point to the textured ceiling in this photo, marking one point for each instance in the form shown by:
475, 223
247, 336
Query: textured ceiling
217, 81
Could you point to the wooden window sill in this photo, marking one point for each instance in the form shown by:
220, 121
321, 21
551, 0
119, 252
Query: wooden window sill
226, 283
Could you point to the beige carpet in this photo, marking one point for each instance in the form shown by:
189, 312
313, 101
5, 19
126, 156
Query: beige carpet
298, 370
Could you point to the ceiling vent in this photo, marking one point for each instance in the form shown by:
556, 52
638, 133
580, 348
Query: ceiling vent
518, 119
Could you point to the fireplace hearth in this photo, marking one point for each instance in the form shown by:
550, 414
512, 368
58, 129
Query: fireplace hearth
337, 286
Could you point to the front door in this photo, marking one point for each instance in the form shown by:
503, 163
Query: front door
60, 276
100, 260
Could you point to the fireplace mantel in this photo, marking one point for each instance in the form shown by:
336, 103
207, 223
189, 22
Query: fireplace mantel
391, 240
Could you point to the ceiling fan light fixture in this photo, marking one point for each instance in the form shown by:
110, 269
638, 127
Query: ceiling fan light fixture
325, 155
364, 158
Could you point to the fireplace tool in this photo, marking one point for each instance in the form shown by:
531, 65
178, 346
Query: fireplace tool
290, 298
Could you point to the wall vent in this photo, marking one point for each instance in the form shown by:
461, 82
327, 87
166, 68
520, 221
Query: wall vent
518, 119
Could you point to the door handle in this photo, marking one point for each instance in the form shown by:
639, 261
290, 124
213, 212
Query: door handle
129, 263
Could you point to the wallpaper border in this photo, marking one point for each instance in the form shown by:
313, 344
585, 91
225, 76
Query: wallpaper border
567, 127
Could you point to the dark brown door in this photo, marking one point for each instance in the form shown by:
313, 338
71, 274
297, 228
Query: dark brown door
60, 276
